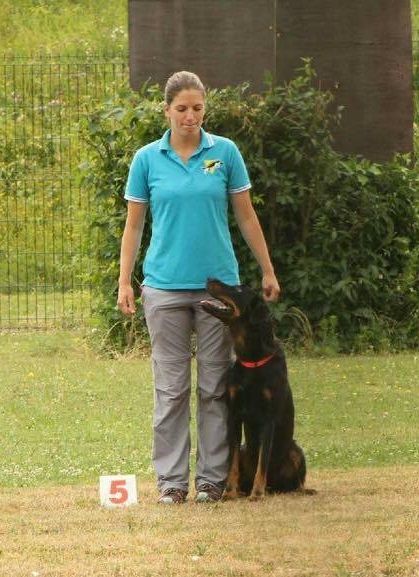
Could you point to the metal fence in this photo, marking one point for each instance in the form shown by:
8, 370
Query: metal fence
45, 244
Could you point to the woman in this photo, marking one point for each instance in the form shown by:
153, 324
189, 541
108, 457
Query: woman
187, 178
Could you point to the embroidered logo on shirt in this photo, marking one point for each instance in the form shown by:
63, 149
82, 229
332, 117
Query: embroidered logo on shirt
210, 166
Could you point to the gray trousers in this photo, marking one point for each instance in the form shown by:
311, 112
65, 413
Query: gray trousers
172, 317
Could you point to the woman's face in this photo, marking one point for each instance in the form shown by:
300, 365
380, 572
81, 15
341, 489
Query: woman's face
186, 112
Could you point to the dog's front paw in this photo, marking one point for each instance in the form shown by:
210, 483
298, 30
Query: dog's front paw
230, 494
304, 491
256, 496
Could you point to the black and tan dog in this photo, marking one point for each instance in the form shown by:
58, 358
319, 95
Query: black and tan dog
259, 399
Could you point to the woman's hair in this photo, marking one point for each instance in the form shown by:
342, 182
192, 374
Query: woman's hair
182, 81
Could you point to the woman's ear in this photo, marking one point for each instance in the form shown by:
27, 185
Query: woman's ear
260, 312
166, 111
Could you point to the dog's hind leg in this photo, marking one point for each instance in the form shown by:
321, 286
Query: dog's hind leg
289, 472
265, 447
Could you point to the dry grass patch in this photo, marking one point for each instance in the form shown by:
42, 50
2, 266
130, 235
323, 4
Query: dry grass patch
362, 522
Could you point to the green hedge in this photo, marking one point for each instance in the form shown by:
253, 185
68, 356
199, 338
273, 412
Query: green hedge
343, 232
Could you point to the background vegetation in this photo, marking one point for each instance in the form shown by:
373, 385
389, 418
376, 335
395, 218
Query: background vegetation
343, 232
66, 27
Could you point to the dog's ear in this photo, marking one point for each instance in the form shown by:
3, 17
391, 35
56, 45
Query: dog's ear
259, 311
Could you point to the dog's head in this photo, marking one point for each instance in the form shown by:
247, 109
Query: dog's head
243, 310
234, 302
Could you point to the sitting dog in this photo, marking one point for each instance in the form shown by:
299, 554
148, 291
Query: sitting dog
259, 399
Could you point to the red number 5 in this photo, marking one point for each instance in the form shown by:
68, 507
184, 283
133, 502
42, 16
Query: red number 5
118, 489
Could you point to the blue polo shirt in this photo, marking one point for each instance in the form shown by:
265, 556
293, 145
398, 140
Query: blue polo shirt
190, 239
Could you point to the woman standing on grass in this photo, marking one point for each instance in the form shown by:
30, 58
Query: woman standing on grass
187, 178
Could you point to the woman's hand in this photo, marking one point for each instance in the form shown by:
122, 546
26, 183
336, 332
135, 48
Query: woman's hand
270, 287
126, 299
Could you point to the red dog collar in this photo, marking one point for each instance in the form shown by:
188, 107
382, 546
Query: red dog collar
255, 364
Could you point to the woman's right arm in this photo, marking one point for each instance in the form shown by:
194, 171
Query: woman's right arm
131, 241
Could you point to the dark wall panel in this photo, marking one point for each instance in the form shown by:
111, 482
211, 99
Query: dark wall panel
223, 41
361, 50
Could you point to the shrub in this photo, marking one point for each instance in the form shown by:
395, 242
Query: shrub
343, 232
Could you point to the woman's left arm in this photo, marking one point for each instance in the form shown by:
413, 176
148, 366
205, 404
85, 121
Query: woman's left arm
252, 233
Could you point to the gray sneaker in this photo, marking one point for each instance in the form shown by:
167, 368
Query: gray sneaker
208, 494
172, 496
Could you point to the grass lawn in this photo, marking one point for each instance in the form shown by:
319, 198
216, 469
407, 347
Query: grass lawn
68, 416
362, 523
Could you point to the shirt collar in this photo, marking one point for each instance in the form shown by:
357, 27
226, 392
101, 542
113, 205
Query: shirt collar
207, 141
